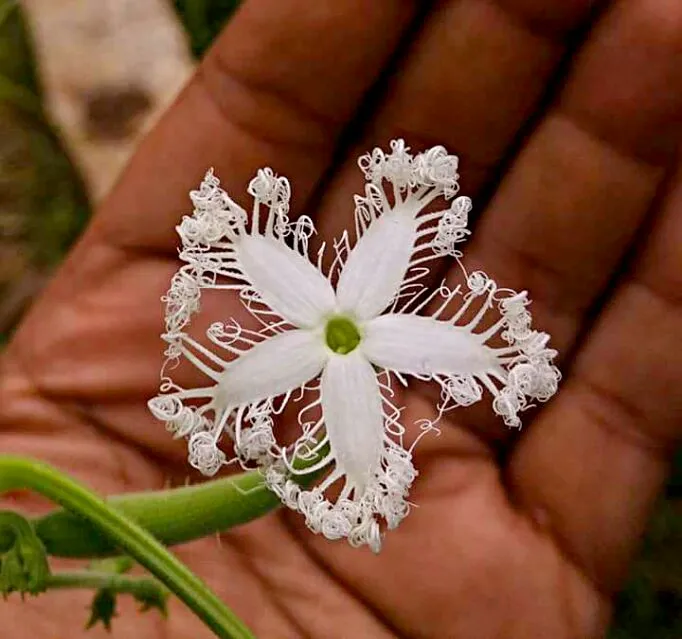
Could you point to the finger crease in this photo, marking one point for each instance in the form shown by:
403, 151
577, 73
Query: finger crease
545, 24
230, 92
243, 556
666, 296
630, 154
619, 416
346, 585
548, 283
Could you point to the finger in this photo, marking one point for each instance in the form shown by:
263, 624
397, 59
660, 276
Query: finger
571, 205
276, 90
473, 77
592, 466
574, 199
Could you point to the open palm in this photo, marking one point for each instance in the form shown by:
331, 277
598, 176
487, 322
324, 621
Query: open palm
573, 140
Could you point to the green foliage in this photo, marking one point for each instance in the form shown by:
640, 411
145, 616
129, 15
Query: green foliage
23, 567
117, 565
37, 181
651, 603
43, 205
643, 611
153, 599
16, 60
149, 593
203, 20
102, 609
19, 473
674, 488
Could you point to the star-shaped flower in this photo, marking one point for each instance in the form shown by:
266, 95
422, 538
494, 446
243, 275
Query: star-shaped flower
344, 343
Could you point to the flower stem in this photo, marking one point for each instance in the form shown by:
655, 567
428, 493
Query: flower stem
172, 516
120, 584
128, 536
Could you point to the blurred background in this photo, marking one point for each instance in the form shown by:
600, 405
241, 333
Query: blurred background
81, 81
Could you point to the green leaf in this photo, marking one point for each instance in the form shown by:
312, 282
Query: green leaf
102, 609
153, 598
16, 60
114, 565
148, 592
24, 566
203, 20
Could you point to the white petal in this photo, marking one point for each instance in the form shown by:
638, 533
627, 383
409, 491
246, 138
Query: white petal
420, 345
273, 367
377, 265
351, 403
286, 281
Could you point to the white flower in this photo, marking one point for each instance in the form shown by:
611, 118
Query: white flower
337, 350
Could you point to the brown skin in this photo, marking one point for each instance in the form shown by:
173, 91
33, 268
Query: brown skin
587, 216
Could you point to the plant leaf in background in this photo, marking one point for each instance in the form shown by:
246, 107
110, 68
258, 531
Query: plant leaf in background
102, 609
203, 20
43, 205
651, 603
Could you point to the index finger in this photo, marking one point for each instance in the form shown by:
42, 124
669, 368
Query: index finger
591, 467
275, 90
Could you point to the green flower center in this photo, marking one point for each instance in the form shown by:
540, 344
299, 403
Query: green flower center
341, 335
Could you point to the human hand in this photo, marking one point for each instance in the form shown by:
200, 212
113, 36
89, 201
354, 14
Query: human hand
516, 538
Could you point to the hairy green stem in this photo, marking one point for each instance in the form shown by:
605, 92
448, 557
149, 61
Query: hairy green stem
128, 536
173, 516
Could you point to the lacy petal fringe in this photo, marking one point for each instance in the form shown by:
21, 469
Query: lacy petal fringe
351, 429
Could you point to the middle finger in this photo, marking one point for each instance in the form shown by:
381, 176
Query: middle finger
472, 78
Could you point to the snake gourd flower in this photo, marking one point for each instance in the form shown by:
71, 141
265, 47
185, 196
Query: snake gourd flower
335, 344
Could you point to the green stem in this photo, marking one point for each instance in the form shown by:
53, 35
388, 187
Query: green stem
173, 516
18, 473
121, 584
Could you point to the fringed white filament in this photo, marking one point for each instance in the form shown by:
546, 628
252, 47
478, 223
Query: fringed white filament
351, 428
